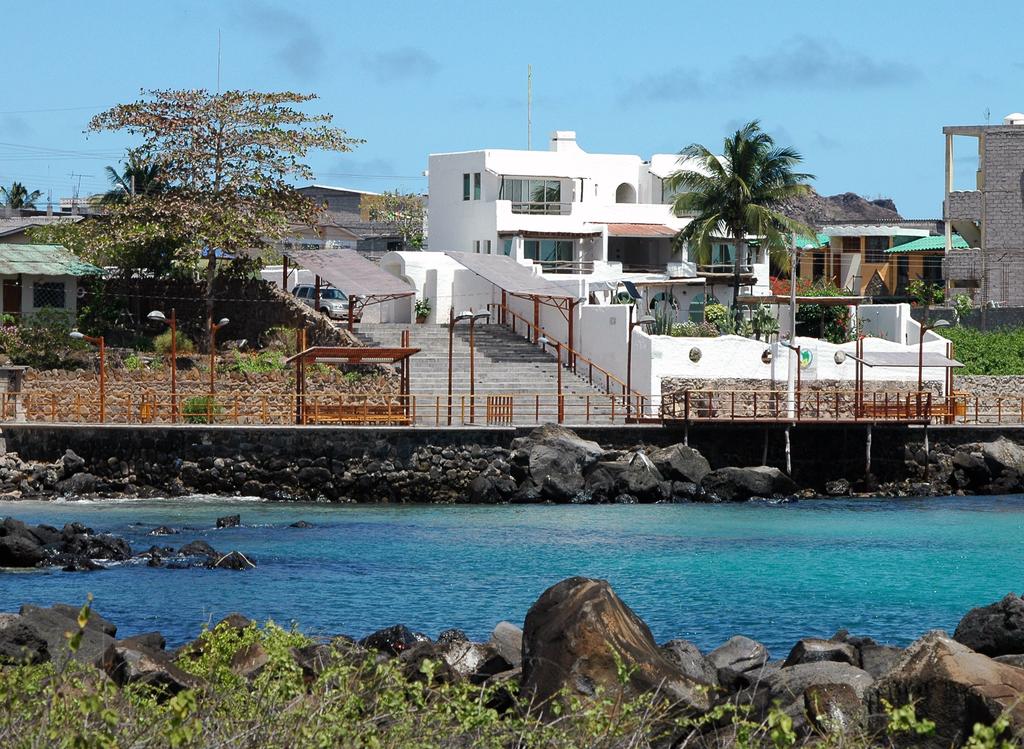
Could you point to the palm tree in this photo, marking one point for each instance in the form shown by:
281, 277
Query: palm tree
738, 194
138, 178
18, 196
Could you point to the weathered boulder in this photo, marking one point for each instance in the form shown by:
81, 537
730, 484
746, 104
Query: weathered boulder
507, 639
137, 664
951, 685
641, 479
229, 521
198, 548
1003, 455
557, 460
970, 469
163, 530
739, 653
835, 709
53, 625
688, 658
22, 550
234, 560
837, 488
78, 484
740, 484
996, 629
680, 463
20, 642
301, 524
788, 684
472, 660
393, 640
71, 463
249, 661
151, 640
813, 650
575, 633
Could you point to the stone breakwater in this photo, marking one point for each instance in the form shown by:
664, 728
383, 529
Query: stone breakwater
550, 464
580, 642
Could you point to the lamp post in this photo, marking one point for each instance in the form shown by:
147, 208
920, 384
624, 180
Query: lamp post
158, 316
452, 319
214, 327
642, 320
793, 371
925, 327
101, 345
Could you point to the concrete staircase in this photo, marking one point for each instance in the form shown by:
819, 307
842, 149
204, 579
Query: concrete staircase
505, 364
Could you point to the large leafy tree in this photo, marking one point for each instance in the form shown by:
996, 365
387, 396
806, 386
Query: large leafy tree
18, 196
738, 194
227, 162
403, 213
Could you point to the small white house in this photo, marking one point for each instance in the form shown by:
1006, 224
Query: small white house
40, 276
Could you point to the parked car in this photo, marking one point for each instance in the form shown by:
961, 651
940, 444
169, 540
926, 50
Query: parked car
333, 303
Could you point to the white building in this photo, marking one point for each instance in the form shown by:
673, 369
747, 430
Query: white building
603, 217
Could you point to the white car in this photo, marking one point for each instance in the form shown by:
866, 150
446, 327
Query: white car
333, 303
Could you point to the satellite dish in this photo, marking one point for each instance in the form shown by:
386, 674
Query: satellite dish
840, 357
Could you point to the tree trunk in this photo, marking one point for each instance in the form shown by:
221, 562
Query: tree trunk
211, 275
736, 265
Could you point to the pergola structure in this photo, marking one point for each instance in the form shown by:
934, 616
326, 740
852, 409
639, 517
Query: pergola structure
399, 355
516, 279
360, 280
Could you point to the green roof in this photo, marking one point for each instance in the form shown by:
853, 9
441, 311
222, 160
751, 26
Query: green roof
820, 241
42, 260
928, 244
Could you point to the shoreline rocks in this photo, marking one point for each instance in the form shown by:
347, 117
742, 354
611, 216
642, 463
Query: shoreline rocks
580, 642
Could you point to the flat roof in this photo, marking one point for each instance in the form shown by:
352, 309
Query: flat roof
510, 276
351, 273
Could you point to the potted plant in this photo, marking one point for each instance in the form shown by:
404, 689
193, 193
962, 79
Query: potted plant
422, 310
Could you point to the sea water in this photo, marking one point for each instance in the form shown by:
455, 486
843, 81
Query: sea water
891, 569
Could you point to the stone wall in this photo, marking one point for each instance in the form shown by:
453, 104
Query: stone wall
144, 396
818, 397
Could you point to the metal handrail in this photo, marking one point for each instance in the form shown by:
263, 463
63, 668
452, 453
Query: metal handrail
574, 357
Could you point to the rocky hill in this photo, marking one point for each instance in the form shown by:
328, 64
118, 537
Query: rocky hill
817, 210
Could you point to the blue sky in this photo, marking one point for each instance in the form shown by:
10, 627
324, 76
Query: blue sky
862, 89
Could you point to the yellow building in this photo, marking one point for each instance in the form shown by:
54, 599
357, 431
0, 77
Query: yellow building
875, 261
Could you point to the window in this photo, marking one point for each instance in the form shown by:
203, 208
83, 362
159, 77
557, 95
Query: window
476, 246
554, 251
476, 186
533, 195
851, 244
48, 294
875, 249
508, 247
465, 187
487, 247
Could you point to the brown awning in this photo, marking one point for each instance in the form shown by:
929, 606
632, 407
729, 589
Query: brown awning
352, 355
510, 276
641, 230
550, 234
351, 273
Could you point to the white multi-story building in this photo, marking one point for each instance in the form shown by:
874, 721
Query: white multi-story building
597, 216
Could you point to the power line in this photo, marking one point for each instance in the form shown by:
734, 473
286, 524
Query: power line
56, 109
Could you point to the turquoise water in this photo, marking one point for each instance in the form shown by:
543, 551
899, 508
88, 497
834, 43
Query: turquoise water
890, 569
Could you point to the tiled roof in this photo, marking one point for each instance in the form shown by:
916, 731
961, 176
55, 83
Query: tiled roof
928, 244
14, 225
42, 260
641, 230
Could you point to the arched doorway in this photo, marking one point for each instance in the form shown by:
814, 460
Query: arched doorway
625, 193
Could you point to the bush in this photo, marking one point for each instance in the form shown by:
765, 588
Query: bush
718, 315
202, 409
694, 330
184, 344
42, 340
991, 352
264, 361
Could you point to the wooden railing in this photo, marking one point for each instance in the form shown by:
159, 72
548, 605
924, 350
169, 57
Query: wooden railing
378, 409
575, 362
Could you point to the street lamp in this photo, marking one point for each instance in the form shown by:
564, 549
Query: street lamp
793, 372
452, 320
158, 316
925, 327
214, 327
99, 343
643, 320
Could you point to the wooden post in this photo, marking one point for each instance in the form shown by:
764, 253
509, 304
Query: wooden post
503, 317
284, 274
572, 339
351, 312
789, 454
867, 457
536, 319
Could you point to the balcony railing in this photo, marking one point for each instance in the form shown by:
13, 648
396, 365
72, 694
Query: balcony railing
724, 268
542, 209
566, 266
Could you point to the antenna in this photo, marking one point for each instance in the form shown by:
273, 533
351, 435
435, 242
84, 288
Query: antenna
529, 107
218, 61
988, 115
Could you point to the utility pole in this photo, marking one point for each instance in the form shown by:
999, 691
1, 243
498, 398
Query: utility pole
529, 107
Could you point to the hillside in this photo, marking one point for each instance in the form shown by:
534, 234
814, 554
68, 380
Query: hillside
817, 210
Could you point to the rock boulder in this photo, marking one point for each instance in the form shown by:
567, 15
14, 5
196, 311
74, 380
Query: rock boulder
740, 484
680, 463
996, 629
575, 633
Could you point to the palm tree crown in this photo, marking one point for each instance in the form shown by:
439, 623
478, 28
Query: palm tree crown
737, 194
18, 196
138, 178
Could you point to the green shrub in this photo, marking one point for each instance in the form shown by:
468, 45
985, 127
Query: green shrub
201, 409
184, 344
257, 363
991, 352
42, 340
694, 330
133, 363
962, 306
717, 314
